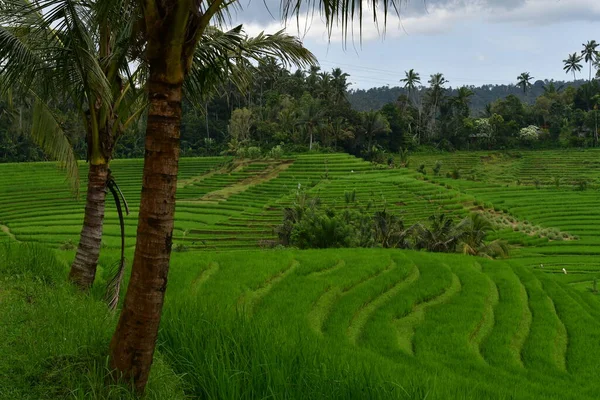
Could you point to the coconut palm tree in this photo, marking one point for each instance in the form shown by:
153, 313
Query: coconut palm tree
172, 31
324, 87
339, 84
590, 54
311, 118
572, 64
436, 92
76, 51
474, 229
441, 235
411, 81
463, 99
373, 123
30, 35
524, 81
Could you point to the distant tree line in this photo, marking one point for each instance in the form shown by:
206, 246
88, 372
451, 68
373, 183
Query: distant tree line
375, 98
314, 110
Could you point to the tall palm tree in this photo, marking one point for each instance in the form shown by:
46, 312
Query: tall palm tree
524, 81
339, 84
596, 65
590, 54
172, 31
313, 78
572, 64
311, 118
436, 91
463, 97
411, 81
76, 51
103, 53
324, 86
373, 123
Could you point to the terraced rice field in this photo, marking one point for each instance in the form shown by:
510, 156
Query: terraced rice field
432, 325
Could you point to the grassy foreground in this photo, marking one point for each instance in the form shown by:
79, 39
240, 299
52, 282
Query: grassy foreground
53, 340
338, 323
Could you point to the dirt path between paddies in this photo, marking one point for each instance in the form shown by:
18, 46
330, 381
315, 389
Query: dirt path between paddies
271, 172
195, 179
6, 230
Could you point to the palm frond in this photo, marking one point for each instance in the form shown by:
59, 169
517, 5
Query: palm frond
18, 61
342, 13
113, 287
47, 132
279, 45
228, 56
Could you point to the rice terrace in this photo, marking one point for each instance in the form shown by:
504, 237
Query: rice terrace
299, 200
390, 323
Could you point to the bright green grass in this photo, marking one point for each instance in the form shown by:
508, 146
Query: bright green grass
356, 323
53, 341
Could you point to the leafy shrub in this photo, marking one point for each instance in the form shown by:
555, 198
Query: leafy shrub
437, 168
241, 152
68, 245
276, 152
556, 181
581, 184
421, 169
320, 230
455, 173
253, 152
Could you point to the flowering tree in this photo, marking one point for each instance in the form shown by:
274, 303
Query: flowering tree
530, 133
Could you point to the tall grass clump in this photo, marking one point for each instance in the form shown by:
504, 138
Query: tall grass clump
54, 340
222, 355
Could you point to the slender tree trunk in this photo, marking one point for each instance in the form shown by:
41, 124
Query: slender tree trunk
206, 116
596, 128
132, 346
83, 269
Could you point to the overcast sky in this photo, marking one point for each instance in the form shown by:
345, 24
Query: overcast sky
469, 41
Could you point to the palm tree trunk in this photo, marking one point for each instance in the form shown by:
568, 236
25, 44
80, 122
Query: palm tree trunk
83, 269
132, 345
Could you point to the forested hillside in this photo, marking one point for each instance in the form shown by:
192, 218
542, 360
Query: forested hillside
377, 97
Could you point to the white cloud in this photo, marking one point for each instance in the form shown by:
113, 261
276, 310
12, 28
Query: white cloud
550, 11
439, 17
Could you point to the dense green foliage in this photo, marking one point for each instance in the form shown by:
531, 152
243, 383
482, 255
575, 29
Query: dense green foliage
314, 110
307, 224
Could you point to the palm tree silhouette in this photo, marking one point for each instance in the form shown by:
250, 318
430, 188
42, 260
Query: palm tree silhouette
411, 81
572, 64
590, 54
524, 81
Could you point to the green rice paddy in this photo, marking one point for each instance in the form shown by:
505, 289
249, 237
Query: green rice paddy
242, 321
